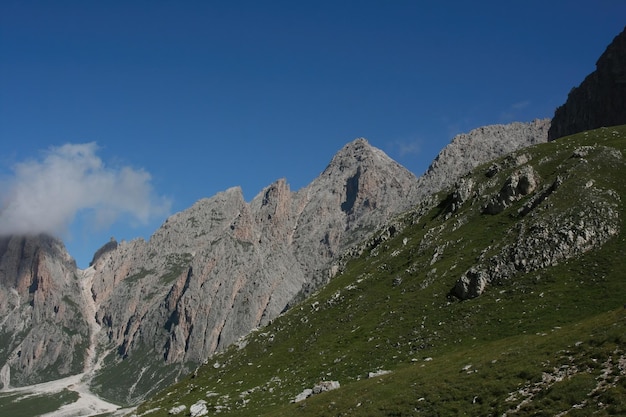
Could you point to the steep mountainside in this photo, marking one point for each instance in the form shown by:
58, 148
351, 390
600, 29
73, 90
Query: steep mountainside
223, 267
43, 333
502, 295
600, 100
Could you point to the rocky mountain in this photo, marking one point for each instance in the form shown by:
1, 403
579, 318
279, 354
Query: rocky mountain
600, 100
501, 295
213, 272
210, 274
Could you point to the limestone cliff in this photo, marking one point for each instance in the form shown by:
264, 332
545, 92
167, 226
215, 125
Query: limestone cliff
43, 334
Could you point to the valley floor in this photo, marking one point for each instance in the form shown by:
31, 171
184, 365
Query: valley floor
61, 390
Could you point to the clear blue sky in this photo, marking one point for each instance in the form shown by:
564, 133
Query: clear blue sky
115, 114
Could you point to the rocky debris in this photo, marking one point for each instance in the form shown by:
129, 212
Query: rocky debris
380, 372
600, 100
540, 196
461, 192
306, 393
324, 386
320, 387
540, 245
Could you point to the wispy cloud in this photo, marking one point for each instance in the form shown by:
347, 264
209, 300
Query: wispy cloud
45, 195
514, 110
403, 148
520, 105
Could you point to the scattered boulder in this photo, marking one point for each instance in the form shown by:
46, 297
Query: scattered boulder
303, 395
324, 386
199, 409
320, 387
177, 409
380, 372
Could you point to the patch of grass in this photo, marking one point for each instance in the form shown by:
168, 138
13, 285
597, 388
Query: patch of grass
133, 279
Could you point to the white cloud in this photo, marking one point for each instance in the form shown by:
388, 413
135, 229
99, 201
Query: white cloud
44, 196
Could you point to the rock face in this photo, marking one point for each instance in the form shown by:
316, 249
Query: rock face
600, 100
43, 334
214, 272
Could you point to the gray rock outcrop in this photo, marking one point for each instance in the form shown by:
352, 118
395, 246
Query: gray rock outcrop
469, 150
322, 386
600, 100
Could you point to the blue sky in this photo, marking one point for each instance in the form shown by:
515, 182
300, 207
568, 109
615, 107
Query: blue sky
115, 114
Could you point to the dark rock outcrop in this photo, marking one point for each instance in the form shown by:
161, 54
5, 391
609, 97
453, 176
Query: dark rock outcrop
600, 100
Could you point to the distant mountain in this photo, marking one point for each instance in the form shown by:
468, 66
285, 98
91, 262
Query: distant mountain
210, 274
600, 100
44, 330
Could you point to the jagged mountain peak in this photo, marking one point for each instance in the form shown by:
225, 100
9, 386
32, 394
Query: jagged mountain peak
358, 152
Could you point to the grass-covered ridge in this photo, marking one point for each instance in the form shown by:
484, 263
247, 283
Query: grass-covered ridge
542, 341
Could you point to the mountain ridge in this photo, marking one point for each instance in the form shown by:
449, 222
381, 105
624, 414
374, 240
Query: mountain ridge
395, 270
164, 299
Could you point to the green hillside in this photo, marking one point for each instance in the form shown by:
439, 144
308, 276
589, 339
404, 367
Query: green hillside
547, 335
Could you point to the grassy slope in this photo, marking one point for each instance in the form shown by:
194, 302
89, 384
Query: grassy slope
540, 343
